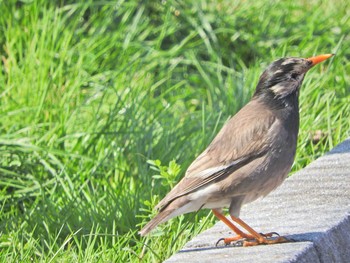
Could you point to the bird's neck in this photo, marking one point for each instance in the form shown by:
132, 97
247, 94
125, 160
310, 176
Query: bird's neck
286, 109
287, 103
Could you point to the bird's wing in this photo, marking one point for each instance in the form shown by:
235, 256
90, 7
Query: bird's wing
242, 139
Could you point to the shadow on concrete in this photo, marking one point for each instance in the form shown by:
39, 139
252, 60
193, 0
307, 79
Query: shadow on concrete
344, 147
305, 237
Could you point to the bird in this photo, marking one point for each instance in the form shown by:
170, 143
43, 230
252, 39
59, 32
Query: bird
250, 156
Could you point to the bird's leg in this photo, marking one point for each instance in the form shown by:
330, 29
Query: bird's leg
259, 238
240, 234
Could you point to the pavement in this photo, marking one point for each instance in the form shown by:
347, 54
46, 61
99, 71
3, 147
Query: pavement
312, 207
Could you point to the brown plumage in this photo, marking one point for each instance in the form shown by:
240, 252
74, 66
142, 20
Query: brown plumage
249, 157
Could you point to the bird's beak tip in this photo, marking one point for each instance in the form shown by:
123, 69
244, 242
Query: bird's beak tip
317, 59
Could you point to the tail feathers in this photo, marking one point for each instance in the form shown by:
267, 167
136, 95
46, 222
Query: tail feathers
161, 217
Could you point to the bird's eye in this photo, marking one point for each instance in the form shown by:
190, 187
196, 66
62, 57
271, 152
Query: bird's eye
294, 76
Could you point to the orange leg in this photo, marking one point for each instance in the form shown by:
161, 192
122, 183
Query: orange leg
255, 237
240, 234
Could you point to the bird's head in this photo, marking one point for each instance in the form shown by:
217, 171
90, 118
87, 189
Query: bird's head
282, 79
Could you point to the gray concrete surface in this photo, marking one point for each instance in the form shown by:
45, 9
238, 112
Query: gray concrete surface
312, 207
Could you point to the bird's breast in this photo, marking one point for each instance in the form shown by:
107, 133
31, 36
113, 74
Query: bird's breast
262, 175
273, 168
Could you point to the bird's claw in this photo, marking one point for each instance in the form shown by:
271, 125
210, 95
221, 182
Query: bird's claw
275, 233
271, 234
221, 239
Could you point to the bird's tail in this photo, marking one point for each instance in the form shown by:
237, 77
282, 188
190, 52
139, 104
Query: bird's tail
161, 217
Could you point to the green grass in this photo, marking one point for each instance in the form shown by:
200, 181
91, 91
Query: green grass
90, 91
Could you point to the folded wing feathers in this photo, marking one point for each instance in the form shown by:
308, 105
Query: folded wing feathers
203, 178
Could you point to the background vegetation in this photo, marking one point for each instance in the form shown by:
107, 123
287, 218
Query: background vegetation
91, 91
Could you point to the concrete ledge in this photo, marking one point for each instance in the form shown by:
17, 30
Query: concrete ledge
312, 207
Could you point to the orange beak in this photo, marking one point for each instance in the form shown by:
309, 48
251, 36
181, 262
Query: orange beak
320, 58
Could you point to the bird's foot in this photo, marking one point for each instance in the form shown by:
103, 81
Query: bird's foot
268, 240
271, 234
236, 240
250, 240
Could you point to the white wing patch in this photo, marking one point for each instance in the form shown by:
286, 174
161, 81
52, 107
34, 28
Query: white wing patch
210, 171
